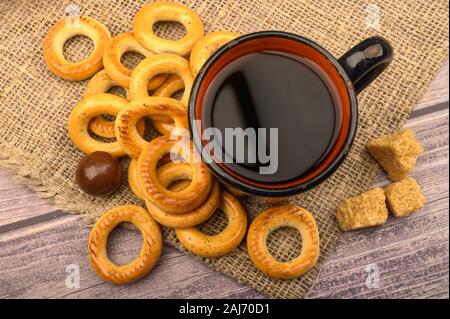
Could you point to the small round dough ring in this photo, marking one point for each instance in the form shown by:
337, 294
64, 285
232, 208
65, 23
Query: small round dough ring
102, 83
206, 47
233, 190
105, 128
173, 202
224, 242
63, 31
172, 85
167, 11
115, 49
159, 64
282, 216
127, 134
133, 180
84, 112
148, 256
173, 172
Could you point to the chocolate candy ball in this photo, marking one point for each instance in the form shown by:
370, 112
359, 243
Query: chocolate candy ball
99, 173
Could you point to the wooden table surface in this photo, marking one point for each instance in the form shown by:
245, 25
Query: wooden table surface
40, 246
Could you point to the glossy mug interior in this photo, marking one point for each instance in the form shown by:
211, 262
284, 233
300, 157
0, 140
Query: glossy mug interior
315, 111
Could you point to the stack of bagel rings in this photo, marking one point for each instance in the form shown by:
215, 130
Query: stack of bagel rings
165, 172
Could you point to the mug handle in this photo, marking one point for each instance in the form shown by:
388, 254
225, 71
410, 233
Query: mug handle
365, 61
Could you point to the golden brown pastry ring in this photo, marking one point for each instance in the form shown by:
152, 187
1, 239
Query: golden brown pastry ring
206, 46
152, 13
127, 135
224, 242
173, 202
233, 190
84, 112
282, 216
159, 64
63, 31
115, 49
133, 180
133, 177
148, 256
172, 85
276, 200
134, 183
177, 172
102, 83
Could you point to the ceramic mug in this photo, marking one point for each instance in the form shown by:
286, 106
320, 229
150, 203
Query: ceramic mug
349, 75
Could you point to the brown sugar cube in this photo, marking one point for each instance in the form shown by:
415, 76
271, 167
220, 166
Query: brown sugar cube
404, 197
397, 153
366, 210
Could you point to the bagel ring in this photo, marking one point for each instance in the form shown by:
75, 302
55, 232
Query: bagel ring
206, 46
148, 256
127, 135
134, 183
224, 242
233, 190
167, 175
115, 49
172, 85
102, 83
105, 128
84, 112
63, 31
158, 64
282, 216
276, 200
152, 13
173, 202
178, 186
132, 179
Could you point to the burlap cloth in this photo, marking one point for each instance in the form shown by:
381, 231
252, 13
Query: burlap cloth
35, 104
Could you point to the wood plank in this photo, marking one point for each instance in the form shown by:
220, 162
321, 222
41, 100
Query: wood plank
400, 246
405, 271
34, 264
395, 231
18, 202
432, 131
432, 173
438, 295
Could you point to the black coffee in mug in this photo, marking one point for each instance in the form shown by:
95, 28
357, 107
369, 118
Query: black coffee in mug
272, 89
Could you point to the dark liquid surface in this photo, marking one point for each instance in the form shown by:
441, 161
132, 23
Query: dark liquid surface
275, 90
